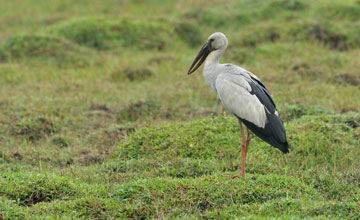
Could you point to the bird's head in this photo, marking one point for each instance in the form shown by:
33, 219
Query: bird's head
216, 42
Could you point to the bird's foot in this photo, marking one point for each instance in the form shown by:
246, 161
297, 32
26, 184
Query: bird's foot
232, 176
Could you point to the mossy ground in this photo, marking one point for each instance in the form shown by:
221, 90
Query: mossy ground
98, 119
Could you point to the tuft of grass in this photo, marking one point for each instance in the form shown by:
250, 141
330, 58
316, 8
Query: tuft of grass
345, 12
346, 78
33, 129
3, 158
60, 141
132, 74
28, 189
85, 207
139, 110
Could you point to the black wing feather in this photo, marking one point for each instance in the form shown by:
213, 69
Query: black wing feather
261, 86
274, 131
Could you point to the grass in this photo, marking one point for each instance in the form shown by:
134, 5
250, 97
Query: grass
98, 119
105, 33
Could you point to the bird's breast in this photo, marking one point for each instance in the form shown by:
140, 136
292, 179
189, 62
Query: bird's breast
210, 78
211, 72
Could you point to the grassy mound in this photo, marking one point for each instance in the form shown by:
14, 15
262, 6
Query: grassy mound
212, 145
38, 46
106, 34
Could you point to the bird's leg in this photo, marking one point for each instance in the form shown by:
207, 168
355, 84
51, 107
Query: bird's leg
248, 138
244, 147
243, 151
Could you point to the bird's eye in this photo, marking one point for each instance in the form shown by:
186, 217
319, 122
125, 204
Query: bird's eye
212, 39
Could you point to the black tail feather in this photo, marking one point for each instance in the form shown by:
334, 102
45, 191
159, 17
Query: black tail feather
273, 133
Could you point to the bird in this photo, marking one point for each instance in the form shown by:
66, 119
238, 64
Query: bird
244, 95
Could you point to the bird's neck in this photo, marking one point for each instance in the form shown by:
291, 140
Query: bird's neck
214, 57
212, 67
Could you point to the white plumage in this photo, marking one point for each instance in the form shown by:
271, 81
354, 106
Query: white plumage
234, 92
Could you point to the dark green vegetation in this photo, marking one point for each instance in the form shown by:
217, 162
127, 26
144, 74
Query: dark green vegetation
98, 119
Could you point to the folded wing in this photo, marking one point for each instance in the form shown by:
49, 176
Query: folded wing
249, 100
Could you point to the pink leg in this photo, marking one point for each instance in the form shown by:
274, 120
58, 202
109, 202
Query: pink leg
243, 151
244, 148
248, 138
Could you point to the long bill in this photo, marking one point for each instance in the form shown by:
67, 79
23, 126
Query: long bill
200, 58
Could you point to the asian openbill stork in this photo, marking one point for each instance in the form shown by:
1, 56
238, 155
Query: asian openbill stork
243, 94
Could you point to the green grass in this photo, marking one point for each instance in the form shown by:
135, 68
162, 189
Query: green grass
98, 119
105, 33
42, 47
174, 171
